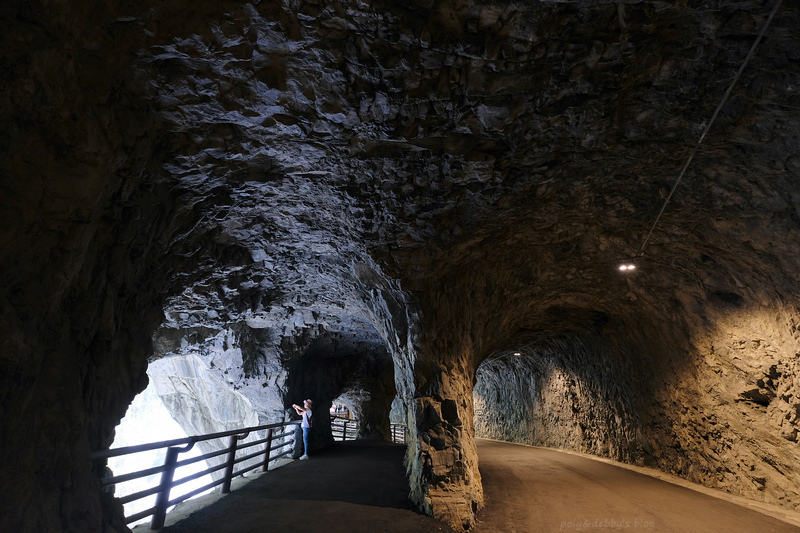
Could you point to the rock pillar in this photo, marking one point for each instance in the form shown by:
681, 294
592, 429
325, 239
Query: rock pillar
442, 458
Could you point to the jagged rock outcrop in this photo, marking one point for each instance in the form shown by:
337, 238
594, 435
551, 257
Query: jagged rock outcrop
275, 359
565, 393
202, 403
441, 181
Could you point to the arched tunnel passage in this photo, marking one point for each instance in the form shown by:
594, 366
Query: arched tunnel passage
629, 391
563, 392
579, 382
446, 172
353, 363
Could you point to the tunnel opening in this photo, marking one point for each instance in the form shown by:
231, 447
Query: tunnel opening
564, 391
148, 420
349, 365
689, 399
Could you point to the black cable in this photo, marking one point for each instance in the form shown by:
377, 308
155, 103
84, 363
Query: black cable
708, 127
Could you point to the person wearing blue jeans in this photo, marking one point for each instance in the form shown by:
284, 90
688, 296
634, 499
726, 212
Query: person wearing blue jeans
306, 424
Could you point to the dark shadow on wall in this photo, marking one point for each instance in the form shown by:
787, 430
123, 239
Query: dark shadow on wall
349, 363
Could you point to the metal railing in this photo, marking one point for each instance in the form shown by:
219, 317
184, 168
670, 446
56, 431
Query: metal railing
343, 428
399, 433
347, 429
177, 446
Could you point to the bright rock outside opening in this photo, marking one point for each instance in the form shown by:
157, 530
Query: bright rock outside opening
384, 202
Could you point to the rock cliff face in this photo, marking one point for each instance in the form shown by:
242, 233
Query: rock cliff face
299, 192
565, 393
723, 415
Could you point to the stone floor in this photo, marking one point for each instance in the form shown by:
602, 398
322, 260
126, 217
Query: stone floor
353, 486
530, 489
361, 487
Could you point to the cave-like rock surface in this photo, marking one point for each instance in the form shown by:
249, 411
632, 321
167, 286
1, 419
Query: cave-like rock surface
358, 199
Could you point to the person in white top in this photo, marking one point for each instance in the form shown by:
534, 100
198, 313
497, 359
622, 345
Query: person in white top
306, 424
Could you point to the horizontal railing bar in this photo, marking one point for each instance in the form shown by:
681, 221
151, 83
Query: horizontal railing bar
208, 455
219, 467
184, 497
248, 457
115, 480
196, 475
244, 445
105, 454
138, 495
192, 440
253, 467
156, 469
258, 454
147, 492
246, 470
139, 515
133, 475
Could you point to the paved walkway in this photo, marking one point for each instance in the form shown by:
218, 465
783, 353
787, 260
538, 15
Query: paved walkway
361, 487
530, 489
355, 486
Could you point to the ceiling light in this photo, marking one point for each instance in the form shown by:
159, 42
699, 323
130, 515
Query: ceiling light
517, 354
625, 267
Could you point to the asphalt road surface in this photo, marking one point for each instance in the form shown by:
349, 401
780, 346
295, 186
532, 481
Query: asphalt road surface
528, 489
361, 486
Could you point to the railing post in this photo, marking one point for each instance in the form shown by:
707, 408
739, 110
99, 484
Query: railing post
162, 497
268, 450
226, 483
297, 438
344, 431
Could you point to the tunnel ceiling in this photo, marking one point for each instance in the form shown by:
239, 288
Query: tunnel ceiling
524, 148
310, 148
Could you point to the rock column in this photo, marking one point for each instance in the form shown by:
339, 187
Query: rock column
443, 460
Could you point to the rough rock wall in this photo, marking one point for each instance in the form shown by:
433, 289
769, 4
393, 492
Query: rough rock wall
243, 358
564, 393
730, 420
717, 407
83, 229
442, 458
202, 403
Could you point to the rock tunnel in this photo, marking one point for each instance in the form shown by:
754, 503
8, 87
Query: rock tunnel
423, 199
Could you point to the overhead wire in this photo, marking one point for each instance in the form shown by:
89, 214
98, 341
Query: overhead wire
725, 97
708, 126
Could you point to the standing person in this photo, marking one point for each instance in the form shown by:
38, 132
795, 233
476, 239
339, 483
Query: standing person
306, 424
